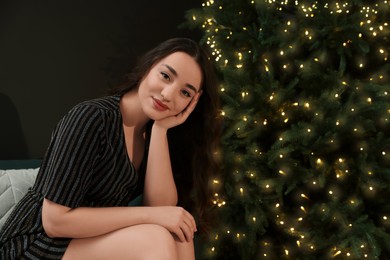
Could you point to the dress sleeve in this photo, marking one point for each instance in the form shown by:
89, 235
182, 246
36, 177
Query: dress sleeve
69, 160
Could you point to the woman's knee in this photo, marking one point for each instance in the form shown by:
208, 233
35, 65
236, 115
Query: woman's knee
162, 244
145, 241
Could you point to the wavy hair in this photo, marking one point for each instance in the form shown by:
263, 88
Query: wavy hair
192, 145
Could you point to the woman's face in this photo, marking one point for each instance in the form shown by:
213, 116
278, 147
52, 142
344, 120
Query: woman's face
169, 86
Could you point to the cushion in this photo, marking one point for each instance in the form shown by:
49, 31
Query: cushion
14, 184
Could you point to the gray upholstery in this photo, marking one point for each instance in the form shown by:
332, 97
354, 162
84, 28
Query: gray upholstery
13, 186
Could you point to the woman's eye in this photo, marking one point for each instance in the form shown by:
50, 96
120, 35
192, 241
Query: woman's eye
165, 76
186, 93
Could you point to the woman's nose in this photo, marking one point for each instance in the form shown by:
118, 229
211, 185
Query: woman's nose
167, 93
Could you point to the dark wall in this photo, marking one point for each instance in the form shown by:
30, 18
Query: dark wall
54, 54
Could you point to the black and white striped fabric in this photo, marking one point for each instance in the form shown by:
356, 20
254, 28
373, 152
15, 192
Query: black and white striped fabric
86, 165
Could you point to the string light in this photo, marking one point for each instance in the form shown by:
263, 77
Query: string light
369, 27
304, 196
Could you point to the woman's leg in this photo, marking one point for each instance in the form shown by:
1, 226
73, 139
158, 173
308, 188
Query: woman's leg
185, 250
141, 242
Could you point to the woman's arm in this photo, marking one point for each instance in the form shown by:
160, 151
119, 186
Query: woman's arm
62, 221
160, 188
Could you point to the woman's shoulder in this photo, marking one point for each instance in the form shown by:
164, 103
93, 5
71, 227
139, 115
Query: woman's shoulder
105, 103
103, 107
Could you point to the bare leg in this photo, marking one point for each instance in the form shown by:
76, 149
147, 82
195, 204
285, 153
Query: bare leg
140, 242
185, 250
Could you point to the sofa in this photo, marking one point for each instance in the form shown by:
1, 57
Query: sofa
16, 177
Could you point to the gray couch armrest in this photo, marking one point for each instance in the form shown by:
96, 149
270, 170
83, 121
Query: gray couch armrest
14, 184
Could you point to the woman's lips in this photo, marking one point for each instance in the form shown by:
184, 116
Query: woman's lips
159, 105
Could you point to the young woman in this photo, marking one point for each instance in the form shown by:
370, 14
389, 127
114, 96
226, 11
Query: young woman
105, 152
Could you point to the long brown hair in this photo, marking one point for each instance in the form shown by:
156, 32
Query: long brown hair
193, 144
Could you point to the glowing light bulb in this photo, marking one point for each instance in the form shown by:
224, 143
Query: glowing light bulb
304, 196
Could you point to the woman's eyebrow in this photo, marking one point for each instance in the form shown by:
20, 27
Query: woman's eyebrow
173, 71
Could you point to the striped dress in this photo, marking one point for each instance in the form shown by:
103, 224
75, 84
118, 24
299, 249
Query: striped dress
86, 165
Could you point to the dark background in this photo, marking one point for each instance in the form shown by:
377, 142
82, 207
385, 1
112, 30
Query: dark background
55, 54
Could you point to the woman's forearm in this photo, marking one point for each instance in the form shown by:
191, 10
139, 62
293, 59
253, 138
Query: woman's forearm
83, 222
61, 221
160, 188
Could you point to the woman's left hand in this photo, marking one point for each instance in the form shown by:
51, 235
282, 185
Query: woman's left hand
180, 118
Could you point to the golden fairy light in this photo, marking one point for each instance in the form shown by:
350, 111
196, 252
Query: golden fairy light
368, 28
337, 253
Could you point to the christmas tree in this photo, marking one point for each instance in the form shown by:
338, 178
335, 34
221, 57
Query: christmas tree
305, 89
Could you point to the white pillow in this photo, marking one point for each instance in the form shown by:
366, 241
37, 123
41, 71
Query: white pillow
14, 184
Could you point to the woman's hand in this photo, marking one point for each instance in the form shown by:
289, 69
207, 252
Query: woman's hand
180, 118
176, 220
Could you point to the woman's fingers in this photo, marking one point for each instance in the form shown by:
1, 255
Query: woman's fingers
192, 105
188, 232
180, 235
190, 221
177, 220
191, 226
187, 226
180, 118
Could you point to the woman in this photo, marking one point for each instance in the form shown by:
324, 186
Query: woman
105, 152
